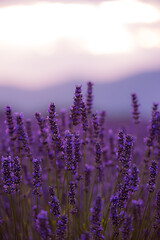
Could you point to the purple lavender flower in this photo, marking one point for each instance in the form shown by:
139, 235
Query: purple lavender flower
153, 129
135, 106
157, 216
123, 193
121, 143
84, 116
89, 100
134, 178
96, 227
86, 236
127, 227
54, 203
154, 108
54, 127
75, 109
114, 210
42, 225
37, 177
153, 174
42, 125
128, 152
22, 138
61, 227
7, 174
71, 193
10, 123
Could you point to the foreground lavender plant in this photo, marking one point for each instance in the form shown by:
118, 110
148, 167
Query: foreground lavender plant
77, 155
61, 227
96, 227
42, 225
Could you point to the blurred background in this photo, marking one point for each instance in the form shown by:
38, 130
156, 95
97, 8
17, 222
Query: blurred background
47, 47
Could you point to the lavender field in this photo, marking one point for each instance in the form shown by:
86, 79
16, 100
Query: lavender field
71, 174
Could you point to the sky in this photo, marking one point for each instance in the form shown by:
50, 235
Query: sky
44, 43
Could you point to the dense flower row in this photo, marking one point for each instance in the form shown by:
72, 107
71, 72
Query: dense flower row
70, 176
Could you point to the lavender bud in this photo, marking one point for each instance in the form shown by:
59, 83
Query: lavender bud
54, 203
37, 177
153, 174
157, 216
114, 210
84, 116
10, 123
71, 193
61, 227
154, 108
42, 225
127, 227
121, 142
7, 174
86, 236
75, 109
134, 178
22, 138
42, 125
135, 105
123, 193
96, 227
128, 152
89, 100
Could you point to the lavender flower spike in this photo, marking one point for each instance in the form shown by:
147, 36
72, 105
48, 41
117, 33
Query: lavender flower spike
54, 203
153, 174
127, 227
7, 174
96, 228
75, 109
37, 178
135, 106
61, 227
42, 225
89, 100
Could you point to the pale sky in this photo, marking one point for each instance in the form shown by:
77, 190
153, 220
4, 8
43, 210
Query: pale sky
47, 42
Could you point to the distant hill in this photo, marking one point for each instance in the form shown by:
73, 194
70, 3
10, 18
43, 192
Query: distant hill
114, 97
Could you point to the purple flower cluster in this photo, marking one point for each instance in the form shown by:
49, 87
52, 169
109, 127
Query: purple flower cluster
54, 203
153, 174
76, 108
42, 225
135, 106
96, 227
37, 177
61, 227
